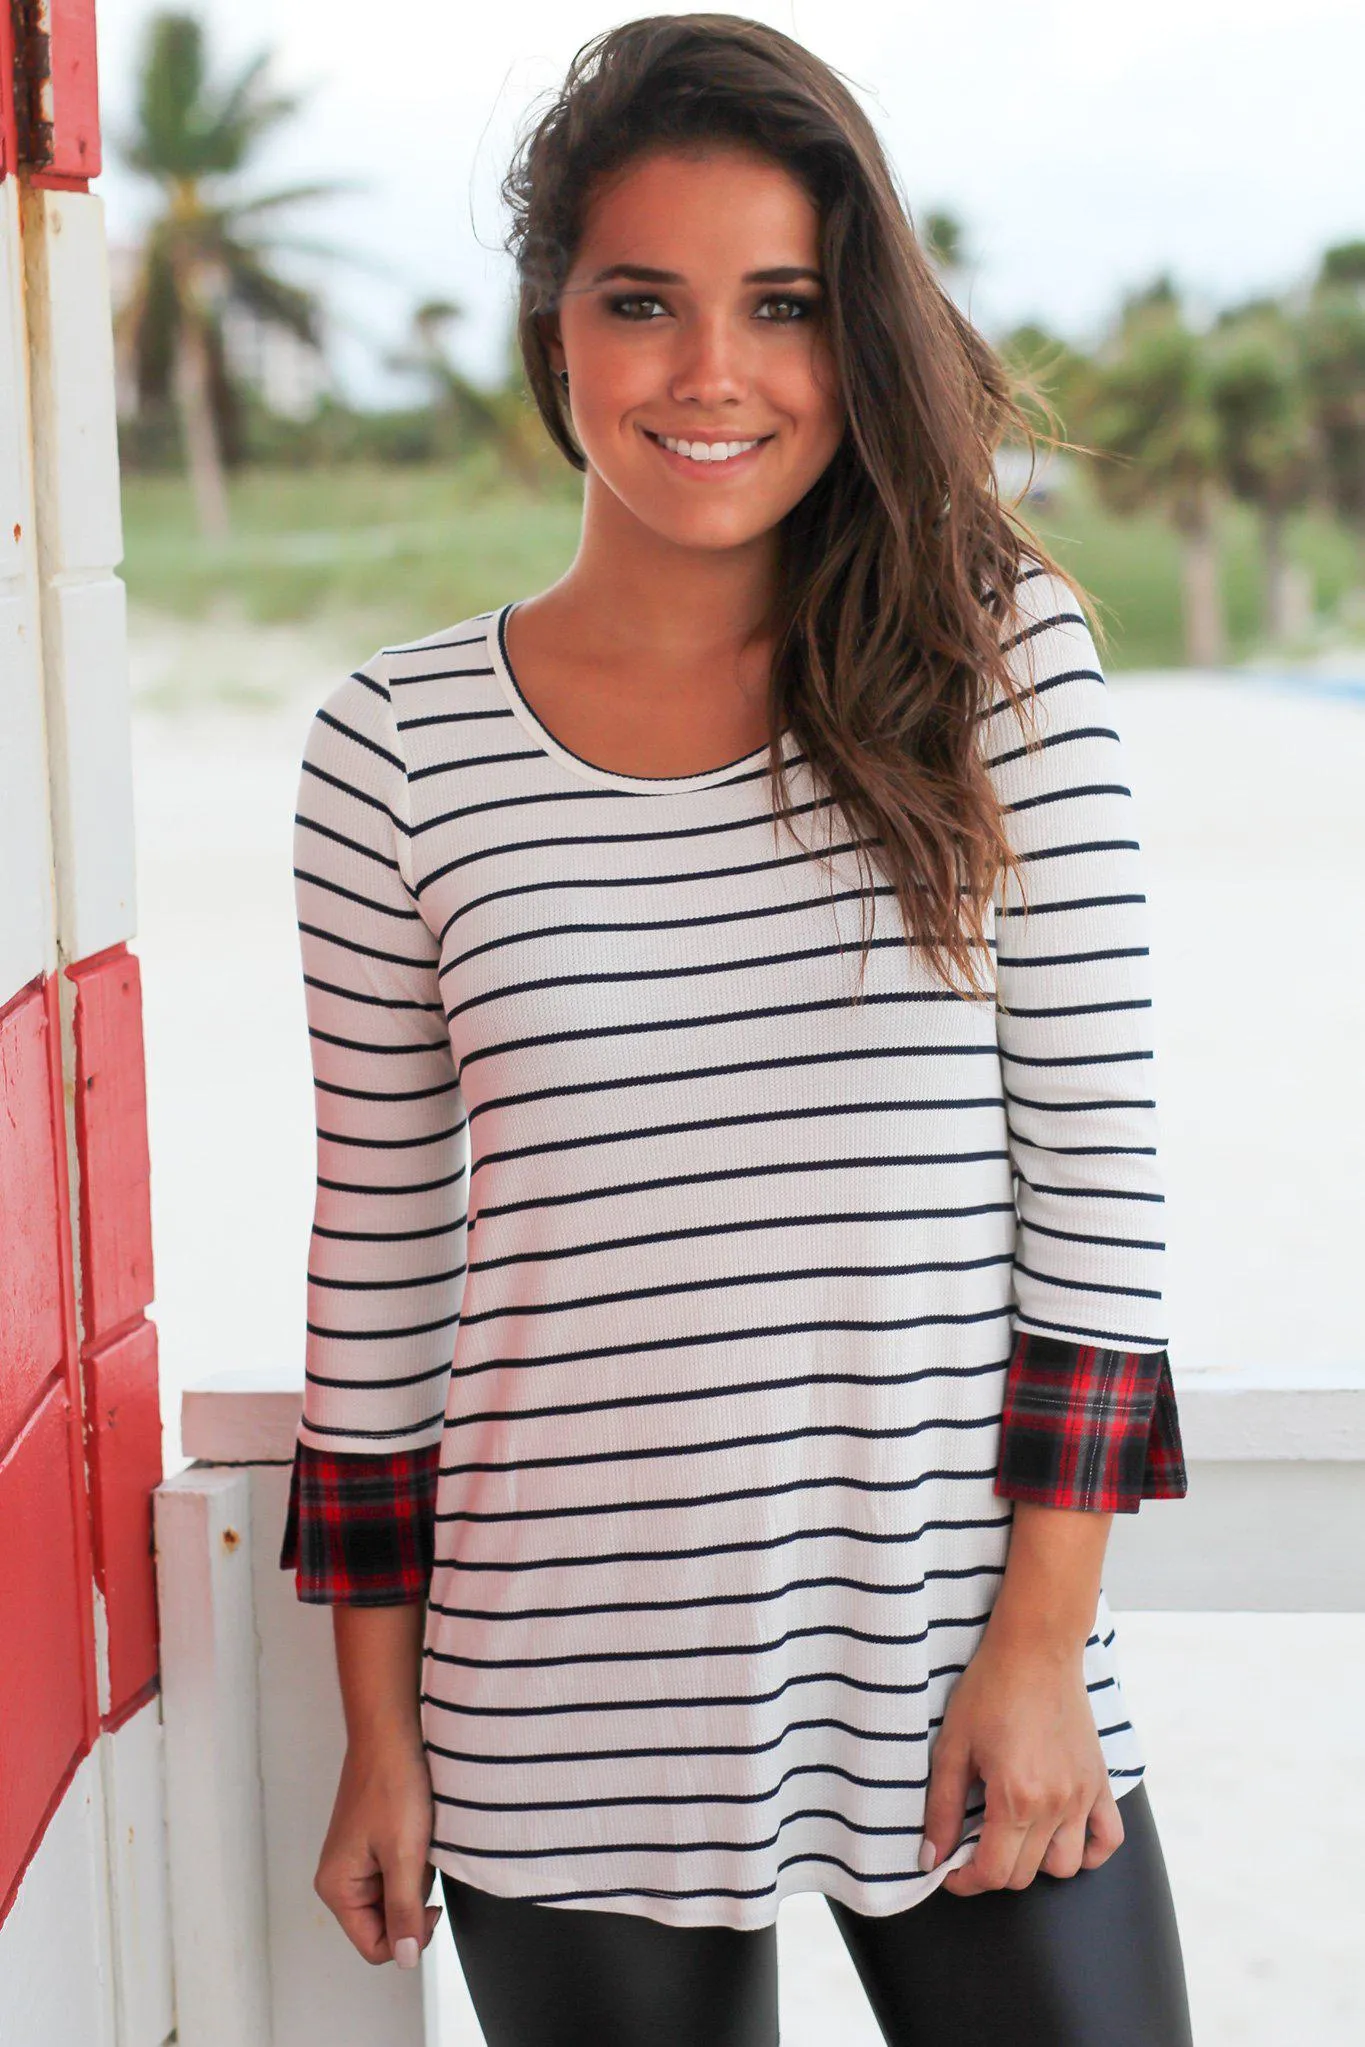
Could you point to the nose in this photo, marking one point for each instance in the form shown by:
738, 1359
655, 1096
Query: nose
710, 366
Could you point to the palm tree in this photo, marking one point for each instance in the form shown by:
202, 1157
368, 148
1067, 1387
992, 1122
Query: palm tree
1267, 447
943, 237
1333, 335
1151, 418
207, 249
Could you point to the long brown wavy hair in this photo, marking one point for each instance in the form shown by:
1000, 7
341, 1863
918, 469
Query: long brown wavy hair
895, 597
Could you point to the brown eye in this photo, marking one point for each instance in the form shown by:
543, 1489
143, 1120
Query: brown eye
800, 308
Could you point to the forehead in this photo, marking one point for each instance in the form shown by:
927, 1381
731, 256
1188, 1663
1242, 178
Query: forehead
718, 207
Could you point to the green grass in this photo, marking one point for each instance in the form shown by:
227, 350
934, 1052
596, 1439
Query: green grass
394, 553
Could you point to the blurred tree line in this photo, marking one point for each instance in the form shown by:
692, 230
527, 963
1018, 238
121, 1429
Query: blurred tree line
1265, 406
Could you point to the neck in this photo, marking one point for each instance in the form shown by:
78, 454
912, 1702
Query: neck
631, 587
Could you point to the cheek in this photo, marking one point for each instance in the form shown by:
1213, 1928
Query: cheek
813, 398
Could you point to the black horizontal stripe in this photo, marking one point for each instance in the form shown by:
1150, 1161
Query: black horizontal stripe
390, 1193
558, 883
474, 761
391, 1002
381, 1286
378, 1336
731, 1389
739, 1226
686, 1503
699, 1651
722, 1173
680, 1798
686, 971
862, 1876
715, 1282
404, 912
536, 934
563, 843
644, 1347
1111, 1338
934, 1525
854, 1431
1062, 903
1089, 1286
640, 1027
704, 1126
759, 1597
521, 1758
676, 1076
684, 1702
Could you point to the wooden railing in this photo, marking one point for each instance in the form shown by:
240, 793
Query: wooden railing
1274, 1521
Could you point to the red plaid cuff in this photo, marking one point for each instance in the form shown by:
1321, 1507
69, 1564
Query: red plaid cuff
1088, 1427
360, 1529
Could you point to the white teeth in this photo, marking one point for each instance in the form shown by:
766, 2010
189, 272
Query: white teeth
707, 451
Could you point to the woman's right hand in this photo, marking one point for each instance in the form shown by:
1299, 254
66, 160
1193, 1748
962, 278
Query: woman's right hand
373, 1873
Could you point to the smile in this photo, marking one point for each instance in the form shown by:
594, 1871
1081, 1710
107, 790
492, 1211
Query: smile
699, 455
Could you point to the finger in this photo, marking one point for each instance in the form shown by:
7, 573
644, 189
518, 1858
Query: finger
406, 1883
1033, 1849
1104, 1830
1066, 1849
996, 1854
950, 1778
357, 1905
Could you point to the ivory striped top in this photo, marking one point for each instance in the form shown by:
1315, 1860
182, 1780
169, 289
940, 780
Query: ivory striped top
703, 1273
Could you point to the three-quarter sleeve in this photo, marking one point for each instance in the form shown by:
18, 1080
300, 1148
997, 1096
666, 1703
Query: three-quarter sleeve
1090, 1417
386, 1258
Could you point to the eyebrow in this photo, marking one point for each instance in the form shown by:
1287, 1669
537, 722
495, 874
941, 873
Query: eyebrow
641, 273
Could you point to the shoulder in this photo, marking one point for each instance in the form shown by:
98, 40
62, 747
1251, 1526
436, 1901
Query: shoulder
1045, 604
362, 712
1062, 711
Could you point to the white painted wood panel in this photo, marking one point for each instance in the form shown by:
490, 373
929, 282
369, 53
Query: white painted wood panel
86, 658
56, 1960
213, 1780
71, 367
132, 1761
26, 909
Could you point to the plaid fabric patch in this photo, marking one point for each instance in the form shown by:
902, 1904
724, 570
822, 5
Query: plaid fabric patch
360, 1528
1088, 1427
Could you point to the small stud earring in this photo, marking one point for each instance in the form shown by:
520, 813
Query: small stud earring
564, 378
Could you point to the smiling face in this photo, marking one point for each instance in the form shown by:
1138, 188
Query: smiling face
691, 324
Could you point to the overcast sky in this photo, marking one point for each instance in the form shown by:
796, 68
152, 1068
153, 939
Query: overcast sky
1084, 147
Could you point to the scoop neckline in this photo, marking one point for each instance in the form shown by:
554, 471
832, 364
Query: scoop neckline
658, 785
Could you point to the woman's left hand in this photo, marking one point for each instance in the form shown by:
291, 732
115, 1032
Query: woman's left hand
1019, 1718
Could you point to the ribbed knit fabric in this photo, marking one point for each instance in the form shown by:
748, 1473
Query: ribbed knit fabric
704, 1272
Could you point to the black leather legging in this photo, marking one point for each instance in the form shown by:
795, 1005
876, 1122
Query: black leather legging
1091, 1960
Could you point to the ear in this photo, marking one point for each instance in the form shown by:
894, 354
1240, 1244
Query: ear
554, 347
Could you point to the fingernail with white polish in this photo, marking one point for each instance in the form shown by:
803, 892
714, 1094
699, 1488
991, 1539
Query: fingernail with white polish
928, 1854
406, 1952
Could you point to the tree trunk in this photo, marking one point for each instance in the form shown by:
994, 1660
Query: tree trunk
1288, 606
1205, 637
202, 452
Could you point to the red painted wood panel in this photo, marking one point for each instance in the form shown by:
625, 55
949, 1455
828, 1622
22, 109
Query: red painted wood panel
75, 88
44, 1626
123, 1446
32, 1331
9, 144
111, 1142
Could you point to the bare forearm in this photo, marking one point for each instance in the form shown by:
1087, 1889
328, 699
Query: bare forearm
1047, 1600
379, 1668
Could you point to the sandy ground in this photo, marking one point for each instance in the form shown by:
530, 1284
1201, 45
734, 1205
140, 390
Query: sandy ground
1249, 804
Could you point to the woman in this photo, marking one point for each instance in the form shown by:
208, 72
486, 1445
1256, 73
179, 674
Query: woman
735, 1282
